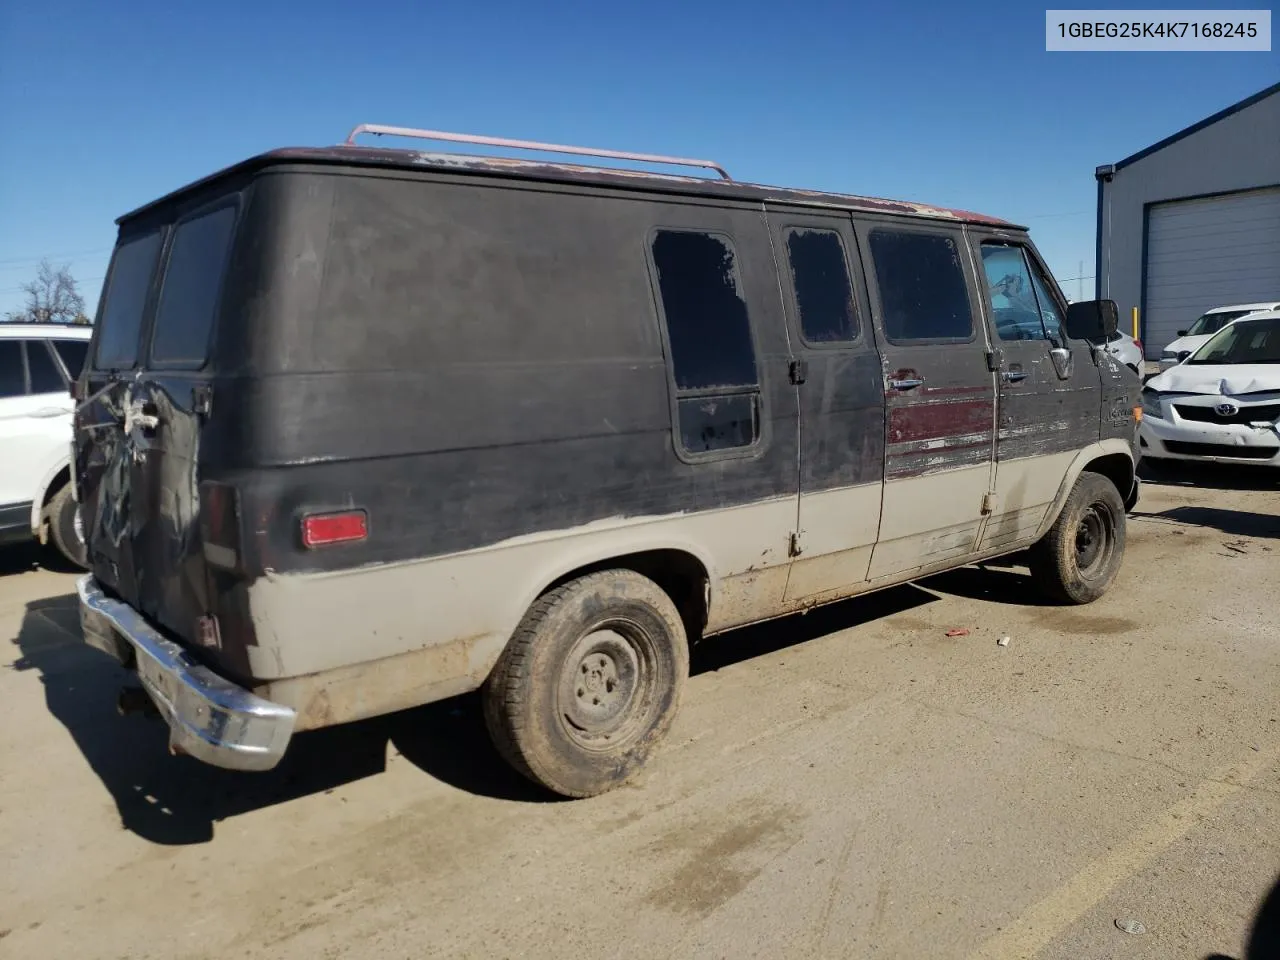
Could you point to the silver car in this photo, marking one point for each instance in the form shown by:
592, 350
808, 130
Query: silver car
1127, 350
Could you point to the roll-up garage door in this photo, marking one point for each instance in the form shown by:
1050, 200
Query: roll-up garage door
1208, 253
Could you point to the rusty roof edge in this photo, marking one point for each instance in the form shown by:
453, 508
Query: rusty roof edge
410, 159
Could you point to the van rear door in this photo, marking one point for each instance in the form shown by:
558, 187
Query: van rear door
841, 397
148, 392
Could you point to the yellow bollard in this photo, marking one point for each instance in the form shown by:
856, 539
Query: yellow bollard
1135, 324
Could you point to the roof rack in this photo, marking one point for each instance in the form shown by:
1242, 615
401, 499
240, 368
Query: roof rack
385, 131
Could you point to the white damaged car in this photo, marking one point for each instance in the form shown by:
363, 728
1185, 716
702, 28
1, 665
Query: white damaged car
1222, 403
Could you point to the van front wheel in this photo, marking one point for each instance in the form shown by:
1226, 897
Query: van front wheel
1076, 561
589, 683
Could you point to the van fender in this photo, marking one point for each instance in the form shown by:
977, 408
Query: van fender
469, 602
1102, 448
594, 551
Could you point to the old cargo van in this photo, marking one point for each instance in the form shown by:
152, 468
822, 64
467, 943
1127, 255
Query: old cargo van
366, 428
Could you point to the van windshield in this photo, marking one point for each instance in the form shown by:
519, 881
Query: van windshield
126, 295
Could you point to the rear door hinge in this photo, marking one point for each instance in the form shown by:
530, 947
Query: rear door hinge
202, 399
799, 370
793, 545
989, 503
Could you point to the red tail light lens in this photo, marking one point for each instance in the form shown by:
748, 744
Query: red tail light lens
322, 529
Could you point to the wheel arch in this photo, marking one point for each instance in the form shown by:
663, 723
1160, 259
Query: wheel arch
677, 570
1112, 458
54, 479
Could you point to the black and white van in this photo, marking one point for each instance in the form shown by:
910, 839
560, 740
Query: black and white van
367, 428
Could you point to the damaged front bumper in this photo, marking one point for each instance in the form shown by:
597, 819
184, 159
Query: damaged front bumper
209, 717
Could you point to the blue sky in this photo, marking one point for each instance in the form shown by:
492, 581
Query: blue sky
952, 104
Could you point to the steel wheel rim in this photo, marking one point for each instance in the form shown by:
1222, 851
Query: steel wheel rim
606, 685
1095, 539
77, 524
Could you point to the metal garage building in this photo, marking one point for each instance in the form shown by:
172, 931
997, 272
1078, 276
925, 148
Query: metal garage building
1193, 222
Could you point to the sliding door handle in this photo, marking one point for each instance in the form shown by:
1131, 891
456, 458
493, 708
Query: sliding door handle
1013, 376
908, 384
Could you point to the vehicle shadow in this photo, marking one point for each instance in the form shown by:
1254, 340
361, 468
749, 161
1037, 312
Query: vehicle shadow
1006, 580
725, 649
1234, 523
25, 557
1211, 476
178, 800
19, 558
1264, 938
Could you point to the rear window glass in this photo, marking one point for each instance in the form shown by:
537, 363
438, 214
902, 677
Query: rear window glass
922, 288
705, 313
72, 353
820, 277
712, 354
13, 382
127, 287
192, 281
45, 375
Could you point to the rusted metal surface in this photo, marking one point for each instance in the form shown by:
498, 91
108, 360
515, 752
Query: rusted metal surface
442, 135
569, 172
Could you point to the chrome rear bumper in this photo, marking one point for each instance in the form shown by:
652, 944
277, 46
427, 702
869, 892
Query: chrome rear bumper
209, 717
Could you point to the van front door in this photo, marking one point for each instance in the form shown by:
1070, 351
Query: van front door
939, 395
841, 399
1049, 388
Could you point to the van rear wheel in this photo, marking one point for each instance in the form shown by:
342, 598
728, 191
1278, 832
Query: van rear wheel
589, 683
1077, 560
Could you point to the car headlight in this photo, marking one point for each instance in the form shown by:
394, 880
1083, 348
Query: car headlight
1151, 404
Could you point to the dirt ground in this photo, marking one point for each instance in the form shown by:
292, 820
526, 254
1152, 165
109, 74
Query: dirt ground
850, 783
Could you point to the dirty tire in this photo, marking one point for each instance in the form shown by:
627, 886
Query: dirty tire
62, 527
1076, 561
589, 683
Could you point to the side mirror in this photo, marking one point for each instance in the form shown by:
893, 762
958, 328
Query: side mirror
1182, 333
1062, 362
1093, 320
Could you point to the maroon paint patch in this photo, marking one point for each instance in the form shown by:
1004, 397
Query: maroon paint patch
933, 421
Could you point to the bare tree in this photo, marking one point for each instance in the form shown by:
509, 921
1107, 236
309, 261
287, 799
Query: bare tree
52, 297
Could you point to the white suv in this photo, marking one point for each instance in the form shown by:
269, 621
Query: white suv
1206, 325
38, 363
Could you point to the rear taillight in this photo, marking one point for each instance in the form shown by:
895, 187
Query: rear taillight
220, 524
1137, 343
322, 529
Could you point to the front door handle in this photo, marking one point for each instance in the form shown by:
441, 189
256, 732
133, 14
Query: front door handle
907, 384
1013, 376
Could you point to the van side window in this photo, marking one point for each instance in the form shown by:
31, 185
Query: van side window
192, 281
1021, 306
1014, 309
127, 288
1049, 311
44, 372
13, 377
923, 295
820, 278
712, 354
